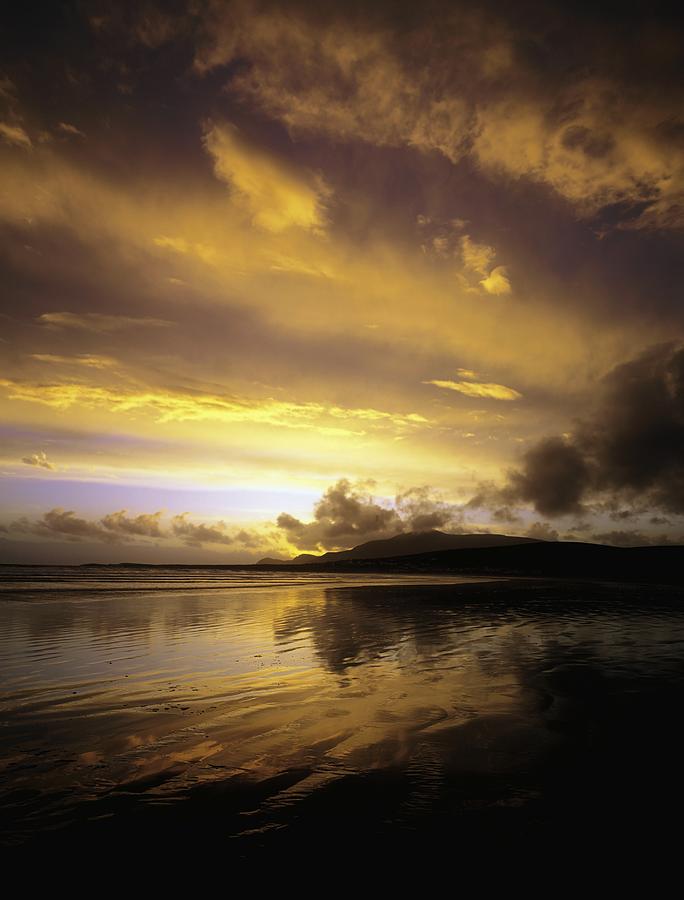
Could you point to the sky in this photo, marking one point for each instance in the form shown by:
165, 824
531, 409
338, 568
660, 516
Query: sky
286, 277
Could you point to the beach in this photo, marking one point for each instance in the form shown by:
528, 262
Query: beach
253, 711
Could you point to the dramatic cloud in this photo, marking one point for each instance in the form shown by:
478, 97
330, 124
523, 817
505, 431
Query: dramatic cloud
597, 147
421, 510
498, 501
38, 459
239, 237
542, 531
347, 514
631, 538
553, 478
333, 78
636, 439
630, 449
597, 139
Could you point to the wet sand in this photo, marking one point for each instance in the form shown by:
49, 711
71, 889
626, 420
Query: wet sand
341, 714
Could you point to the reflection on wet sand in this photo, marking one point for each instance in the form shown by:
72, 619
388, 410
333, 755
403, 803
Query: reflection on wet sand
260, 716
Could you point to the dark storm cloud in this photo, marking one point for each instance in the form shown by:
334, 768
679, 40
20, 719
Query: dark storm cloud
630, 449
347, 514
542, 531
553, 478
344, 515
420, 510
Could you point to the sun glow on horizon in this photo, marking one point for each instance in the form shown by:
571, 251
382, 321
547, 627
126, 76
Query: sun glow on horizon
261, 253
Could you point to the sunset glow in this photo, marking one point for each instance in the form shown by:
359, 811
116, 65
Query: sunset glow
265, 265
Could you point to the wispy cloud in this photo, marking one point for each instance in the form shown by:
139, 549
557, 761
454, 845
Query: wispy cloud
68, 128
205, 252
84, 359
169, 406
478, 389
276, 194
15, 134
99, 322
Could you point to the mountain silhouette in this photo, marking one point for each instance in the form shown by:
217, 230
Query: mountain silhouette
503, 555
405, 544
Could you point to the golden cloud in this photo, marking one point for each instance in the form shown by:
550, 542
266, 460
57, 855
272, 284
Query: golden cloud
276, 278
84, 359
38, 459
478, 389
15, 135
592, 142
99, 323
169, 406
204, 252
277, 195
476, 257
497, 281
335, 79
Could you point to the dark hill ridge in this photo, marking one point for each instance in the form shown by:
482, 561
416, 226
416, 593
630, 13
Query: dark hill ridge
403, 545
540, 559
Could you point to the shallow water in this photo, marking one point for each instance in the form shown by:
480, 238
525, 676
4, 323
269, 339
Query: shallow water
255, 709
